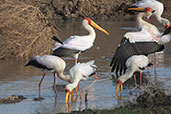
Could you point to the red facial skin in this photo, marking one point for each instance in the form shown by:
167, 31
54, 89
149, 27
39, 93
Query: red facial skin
67, 90
167, 26
89, 20
148, 9
120, 82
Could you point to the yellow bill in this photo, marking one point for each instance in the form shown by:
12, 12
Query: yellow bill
119, 86
66, 97
136, 9
117, 89
98, 27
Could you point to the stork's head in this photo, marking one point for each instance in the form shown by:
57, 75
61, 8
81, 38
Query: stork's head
167, 31
68, 90
87, 21
147, 11
166, 23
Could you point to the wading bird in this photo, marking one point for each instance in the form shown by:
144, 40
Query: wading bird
138, 43
74, 45
80, 71
52, 64
134, 63
156, 35
158, 9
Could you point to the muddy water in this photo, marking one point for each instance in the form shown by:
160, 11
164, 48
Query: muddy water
19, 80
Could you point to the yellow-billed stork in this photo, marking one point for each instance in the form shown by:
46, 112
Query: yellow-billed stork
80, 71
74, 45
157, 8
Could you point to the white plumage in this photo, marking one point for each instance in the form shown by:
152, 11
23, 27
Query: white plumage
157, 7
134, 63
80, 71
143, 42
50, 63
81, 43
76, 44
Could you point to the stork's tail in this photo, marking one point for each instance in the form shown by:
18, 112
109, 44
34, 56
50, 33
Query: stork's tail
149, 64
57, 39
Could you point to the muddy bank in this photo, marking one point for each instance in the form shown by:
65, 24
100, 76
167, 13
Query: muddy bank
24, 31
152, 101
98, 9
28, 25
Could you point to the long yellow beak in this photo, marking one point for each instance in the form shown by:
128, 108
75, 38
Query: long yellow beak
136, 9
117, 89
98, 27
68, 97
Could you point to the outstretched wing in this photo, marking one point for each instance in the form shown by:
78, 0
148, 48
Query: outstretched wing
127, 49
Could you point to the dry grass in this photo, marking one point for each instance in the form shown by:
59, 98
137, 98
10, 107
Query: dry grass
24, 31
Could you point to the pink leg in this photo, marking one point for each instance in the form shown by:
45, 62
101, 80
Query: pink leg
75, 60
79, 91
135, 79
96, 78
135, 84
155, 66
41, 83
55, 84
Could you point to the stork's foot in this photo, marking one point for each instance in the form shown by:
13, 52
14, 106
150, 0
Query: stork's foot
38, 99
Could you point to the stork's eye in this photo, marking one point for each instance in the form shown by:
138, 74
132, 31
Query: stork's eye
153, 11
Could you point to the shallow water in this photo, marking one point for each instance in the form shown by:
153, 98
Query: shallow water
19, 80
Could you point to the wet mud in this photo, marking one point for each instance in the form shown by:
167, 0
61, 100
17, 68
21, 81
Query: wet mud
155, 101
12, 99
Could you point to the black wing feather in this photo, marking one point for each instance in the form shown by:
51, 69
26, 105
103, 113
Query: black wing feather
64, 52
57, 39
35, 63
127, 49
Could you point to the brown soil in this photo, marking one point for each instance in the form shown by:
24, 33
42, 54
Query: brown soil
28, 25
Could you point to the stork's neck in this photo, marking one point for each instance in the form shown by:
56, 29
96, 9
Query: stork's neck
64, 77
91, 31
162, 20
141, 22
126, 76
147, 26
72, 85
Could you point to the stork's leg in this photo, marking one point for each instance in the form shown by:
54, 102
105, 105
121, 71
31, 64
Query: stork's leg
96, 78
76, 57
135, 83
148, 69
155, 65
75, 60
54, 88
79, 91
41, 83
140, 78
